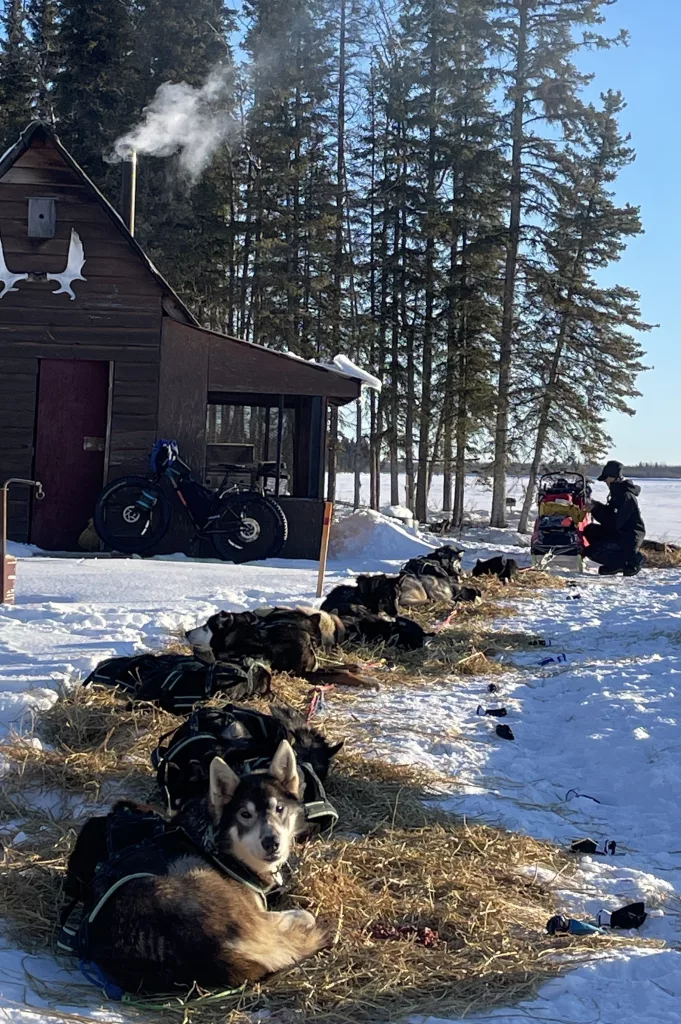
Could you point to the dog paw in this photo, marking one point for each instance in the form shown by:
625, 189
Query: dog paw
302, 919
328, 934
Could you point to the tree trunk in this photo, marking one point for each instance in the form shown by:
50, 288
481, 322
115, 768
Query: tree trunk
498, 516
395, 363
332, 444
424, 474
409, 494
338, 263
376, 355
357, 501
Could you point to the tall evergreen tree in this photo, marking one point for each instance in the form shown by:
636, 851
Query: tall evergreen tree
188, 230
539, 40
17, 78
588, 361
43, 31
96, 86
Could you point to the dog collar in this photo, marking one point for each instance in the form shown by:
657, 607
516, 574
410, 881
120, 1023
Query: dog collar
233, 868
237, 871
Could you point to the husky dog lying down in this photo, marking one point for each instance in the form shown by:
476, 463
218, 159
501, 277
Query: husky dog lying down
286, 638
504, 569
188, 906
245, 739
387, 595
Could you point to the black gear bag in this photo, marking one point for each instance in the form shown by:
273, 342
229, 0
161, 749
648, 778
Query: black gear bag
176, 682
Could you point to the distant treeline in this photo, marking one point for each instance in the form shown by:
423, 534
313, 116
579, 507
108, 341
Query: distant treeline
349, 460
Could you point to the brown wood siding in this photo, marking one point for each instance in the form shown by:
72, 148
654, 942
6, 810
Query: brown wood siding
18, 389
116, 317
235, 366
183, 397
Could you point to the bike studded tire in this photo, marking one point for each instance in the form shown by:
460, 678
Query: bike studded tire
132, 515
264, 530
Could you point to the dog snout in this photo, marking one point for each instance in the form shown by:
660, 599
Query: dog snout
270, 843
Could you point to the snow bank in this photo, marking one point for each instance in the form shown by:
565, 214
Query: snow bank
369, 534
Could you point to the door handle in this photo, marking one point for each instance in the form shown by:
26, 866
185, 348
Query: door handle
93, 444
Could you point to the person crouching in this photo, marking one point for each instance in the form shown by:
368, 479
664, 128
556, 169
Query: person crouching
616, 536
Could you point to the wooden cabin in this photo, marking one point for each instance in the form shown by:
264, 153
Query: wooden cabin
99, 357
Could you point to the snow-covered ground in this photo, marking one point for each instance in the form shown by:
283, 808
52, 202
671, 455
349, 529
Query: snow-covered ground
603, 723
660, 499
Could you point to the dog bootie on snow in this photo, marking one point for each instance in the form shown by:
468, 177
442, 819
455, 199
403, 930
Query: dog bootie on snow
492, 712
583, 846
591, 846
631, 916
504, 732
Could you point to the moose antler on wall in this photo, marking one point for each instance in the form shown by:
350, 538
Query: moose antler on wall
7, 277
74, 265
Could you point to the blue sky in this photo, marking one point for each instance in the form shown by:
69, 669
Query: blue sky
648, 73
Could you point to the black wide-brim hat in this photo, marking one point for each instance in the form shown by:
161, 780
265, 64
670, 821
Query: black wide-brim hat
611, 468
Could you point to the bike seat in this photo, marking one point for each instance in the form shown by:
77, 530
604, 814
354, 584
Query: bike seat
266, 469
236, 467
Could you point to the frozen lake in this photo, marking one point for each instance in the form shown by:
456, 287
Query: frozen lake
660, 499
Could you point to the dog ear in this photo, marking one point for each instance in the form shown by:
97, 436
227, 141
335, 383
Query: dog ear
284, 768
221, 787
333, 750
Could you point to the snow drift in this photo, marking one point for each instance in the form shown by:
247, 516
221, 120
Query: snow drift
368, 534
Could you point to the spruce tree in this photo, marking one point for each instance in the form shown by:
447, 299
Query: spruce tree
537, 41
588, 361
17, 78
185, 227
41, 16
96, 84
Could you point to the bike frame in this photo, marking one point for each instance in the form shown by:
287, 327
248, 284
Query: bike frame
207, 528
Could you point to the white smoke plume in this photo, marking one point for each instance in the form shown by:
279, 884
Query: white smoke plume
184, 120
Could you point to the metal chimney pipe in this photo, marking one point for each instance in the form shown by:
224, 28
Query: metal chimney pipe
129, 190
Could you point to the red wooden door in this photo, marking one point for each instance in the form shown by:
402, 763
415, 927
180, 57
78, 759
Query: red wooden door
69, 449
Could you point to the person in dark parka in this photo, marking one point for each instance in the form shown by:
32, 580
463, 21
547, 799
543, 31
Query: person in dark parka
616, 536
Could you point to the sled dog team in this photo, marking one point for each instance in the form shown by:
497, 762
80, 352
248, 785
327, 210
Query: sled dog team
181, 898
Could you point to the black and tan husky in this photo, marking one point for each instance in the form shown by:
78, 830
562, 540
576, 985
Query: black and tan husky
185, 917
288, 639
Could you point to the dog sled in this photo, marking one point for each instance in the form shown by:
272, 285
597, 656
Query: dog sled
563, 514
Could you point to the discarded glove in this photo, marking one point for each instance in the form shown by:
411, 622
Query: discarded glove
505, 732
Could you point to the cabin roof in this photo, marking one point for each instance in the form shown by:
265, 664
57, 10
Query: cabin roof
37, 131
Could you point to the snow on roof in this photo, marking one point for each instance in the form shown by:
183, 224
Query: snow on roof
350, 369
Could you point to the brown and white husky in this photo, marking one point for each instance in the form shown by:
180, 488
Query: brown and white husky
203, 919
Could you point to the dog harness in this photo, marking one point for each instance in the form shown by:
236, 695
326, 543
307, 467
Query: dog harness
178, 681
182, 758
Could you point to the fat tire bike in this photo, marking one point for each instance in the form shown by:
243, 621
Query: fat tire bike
133, 513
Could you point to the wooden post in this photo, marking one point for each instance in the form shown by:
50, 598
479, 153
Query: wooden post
5, 598
324, 549
8, 564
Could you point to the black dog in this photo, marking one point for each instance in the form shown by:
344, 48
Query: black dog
504, 569
445, 562
362, 625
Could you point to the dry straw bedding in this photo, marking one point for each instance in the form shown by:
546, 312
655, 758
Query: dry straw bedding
434, 915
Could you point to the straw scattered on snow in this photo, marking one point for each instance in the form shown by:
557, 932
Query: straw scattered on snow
433, 915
